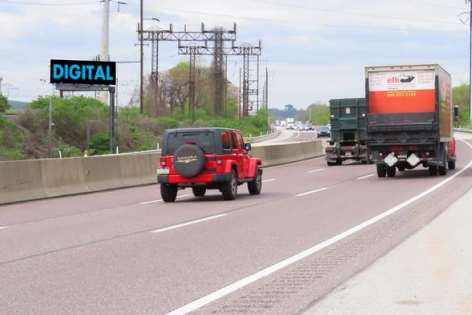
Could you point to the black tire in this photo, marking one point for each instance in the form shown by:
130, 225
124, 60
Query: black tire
339, 162
199, 191
401, 168
255, 186
230, 188
168, 192
433, 170
189, 160
442, 170
451, 165
391, 171
332, 163
381, 170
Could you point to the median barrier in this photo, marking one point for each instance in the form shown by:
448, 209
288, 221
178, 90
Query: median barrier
102, 172
37, 179
20, 181
63, 177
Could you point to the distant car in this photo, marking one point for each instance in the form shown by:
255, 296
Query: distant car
324, 131
207, 158
308, 127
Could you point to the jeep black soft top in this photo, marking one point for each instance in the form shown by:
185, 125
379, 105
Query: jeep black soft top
208, 139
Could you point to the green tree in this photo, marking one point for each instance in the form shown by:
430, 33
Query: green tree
4, 106
318, 114
461, 98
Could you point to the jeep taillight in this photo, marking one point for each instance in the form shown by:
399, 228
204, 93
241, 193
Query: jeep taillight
163, 163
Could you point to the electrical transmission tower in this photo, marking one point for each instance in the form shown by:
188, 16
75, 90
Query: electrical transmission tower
249, 86
217, 35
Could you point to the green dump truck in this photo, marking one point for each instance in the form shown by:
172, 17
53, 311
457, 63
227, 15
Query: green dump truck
348, 131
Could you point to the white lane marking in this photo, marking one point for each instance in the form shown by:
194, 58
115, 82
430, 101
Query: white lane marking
173, 227
467, 143
316, 170
150, 202
269, 180
192, 306
3, 227
160, 200
311, 192
365, 177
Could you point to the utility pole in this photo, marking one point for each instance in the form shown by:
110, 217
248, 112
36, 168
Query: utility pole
141, 57
105, 47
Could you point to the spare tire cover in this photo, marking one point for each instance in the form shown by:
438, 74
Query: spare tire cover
189, 160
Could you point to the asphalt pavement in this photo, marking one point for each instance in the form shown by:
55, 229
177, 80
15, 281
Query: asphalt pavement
126, 252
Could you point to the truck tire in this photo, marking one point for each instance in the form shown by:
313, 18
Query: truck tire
199, 191
433, 170
442, 170
451, 165
381, 170
168, 192
255, 186
332, 163
339, 162
230, 188
391, 171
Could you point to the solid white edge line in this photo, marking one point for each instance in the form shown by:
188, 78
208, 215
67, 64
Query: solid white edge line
192, 306
173, 227
311, 192
365, 177
269, 180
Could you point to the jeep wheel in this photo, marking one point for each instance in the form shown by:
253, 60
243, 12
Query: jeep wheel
230, 188
168, 192
199, 191
255, 186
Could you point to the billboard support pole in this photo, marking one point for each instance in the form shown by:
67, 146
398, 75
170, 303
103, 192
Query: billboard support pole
111, 130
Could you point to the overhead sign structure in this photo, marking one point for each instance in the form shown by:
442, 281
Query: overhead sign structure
83, 72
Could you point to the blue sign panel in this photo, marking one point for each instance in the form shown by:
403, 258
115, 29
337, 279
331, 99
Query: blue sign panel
83, 72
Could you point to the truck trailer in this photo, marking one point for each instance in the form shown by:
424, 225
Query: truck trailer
409, 119
348, 131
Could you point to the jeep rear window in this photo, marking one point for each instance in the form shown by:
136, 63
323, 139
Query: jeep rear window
205, 140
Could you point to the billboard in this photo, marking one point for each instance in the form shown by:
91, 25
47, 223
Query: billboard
402, 91
83, 72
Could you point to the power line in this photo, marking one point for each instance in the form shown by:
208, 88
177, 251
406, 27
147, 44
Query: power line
49, 4
406, 29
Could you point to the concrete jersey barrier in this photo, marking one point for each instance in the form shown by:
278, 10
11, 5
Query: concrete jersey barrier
38, 179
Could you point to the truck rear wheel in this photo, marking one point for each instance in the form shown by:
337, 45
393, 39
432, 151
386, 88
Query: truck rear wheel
433, 170
451, 165
168, 192
391, 171
381, 170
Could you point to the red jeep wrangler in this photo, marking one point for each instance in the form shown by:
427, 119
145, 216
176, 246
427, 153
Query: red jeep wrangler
207, 158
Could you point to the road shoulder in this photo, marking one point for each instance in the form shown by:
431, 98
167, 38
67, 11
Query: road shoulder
427, 274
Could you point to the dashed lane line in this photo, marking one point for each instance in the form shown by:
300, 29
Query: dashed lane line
269, 180
177, 226
316, 170
365, 177
160, 200
311, 192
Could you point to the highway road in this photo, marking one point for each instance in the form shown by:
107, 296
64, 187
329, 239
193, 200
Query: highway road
126, 252
290, 135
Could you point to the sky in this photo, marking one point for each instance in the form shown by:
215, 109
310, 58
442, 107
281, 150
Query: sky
314, 50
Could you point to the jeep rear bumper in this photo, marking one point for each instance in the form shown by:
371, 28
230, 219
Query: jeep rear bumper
204, 179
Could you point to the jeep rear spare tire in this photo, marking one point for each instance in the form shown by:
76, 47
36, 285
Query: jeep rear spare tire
189, 160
